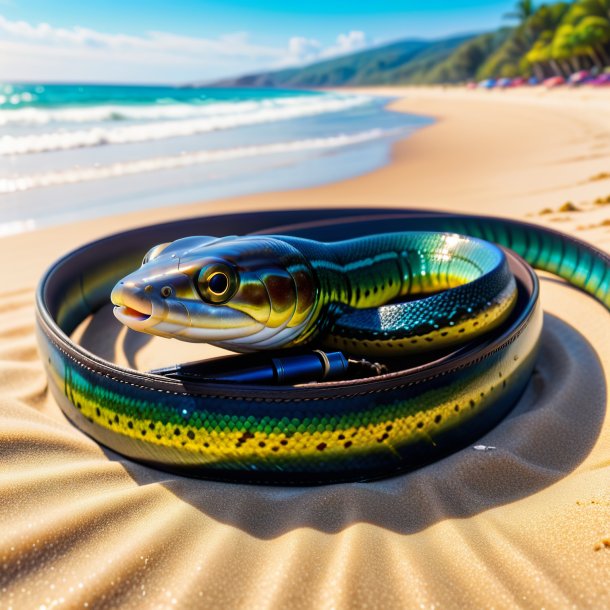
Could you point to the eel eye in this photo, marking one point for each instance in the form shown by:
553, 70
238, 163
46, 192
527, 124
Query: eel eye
154, 252
217, 283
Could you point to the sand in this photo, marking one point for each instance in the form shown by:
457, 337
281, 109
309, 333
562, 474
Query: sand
526, 525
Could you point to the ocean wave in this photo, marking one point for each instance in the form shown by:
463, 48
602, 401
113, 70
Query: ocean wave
32, 116
223, 118
114, 170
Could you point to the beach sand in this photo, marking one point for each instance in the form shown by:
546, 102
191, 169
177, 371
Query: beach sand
526, 525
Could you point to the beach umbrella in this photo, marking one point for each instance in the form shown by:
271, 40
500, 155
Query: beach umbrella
554, 81
603, 80
580, 77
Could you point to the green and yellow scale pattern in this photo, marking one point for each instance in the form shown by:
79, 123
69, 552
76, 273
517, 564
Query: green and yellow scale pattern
277, 437
364, 282
292, 436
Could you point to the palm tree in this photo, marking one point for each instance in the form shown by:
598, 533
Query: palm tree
549, 16
596, 8
537, 57
541, 55
593, 33
564, 48
524, 9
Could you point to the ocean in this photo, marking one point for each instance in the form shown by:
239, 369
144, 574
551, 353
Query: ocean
69, 152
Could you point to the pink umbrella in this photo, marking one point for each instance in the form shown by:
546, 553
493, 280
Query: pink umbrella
554, 81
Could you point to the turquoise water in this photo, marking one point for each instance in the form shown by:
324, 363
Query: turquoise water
75, 151
24, 95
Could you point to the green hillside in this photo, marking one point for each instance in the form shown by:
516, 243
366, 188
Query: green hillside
380, 65
548, 40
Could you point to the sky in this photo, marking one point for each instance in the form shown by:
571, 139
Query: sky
156, 41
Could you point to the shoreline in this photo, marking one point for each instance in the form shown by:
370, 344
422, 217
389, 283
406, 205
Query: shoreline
506, 168
117, 165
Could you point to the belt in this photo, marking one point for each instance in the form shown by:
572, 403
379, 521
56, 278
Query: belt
311, 433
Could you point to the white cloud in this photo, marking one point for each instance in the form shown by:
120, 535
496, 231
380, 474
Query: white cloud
303, 50
43, 52
347, 43
308, 50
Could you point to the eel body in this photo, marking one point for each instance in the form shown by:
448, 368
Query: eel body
383, 295
351, 430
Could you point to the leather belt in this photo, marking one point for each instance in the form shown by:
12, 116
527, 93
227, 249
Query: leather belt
91, 390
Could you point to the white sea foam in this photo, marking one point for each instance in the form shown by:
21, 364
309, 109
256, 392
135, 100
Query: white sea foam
99, 172
32, 116
139, 112
159, 122
17, 226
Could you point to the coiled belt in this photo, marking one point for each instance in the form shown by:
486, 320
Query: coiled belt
304, 434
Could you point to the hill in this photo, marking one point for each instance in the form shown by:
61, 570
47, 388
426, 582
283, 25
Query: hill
549, 40
397, 62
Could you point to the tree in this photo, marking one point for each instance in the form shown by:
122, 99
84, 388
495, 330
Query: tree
541, 55
524, 9
593, 33
564, 47
596, 8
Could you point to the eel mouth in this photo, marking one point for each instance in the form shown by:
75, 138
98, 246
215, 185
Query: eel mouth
132, 314
132, 307
131, 317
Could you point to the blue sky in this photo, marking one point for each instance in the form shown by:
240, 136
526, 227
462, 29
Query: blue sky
161, 41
